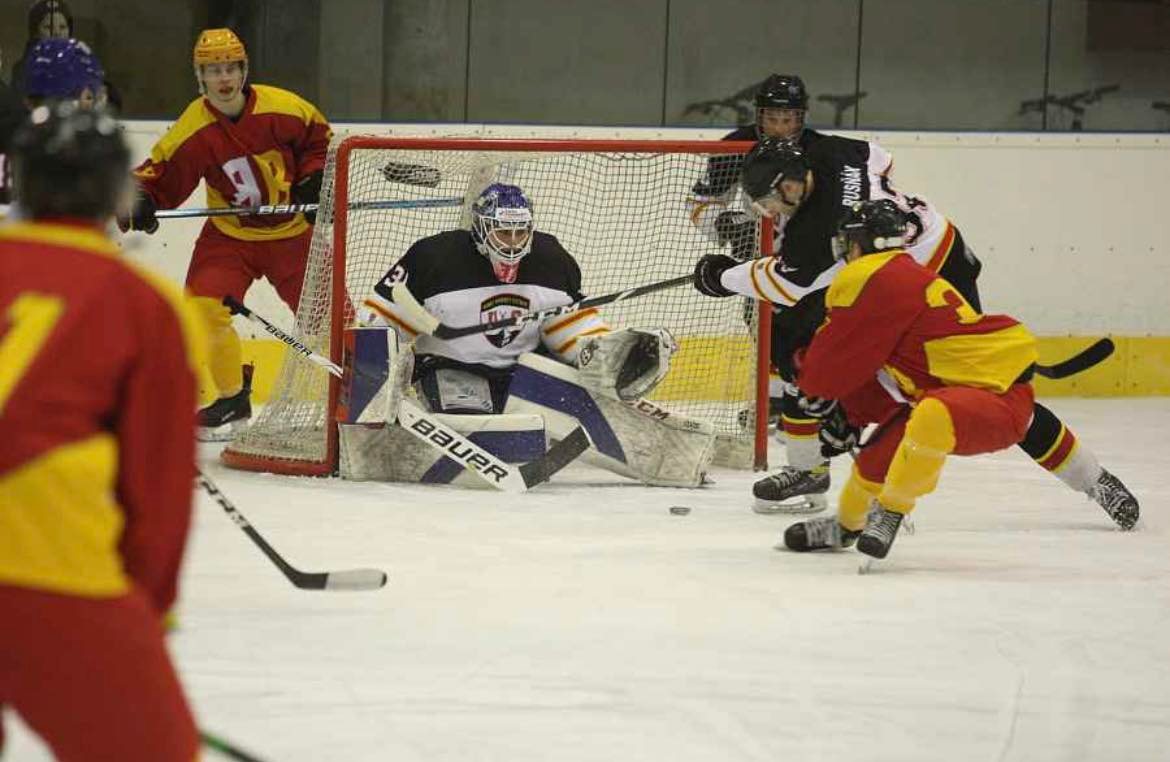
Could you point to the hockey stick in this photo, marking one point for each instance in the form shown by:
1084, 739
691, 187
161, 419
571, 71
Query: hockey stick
229, 750
292, 341
431, 325
1088, 357
349, 579
497, 473
252, 211
510, 478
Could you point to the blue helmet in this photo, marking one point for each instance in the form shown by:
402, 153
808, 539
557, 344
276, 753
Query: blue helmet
502, 227
61, 69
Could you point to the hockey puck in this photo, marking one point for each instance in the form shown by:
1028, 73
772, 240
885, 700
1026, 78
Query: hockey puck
679, 510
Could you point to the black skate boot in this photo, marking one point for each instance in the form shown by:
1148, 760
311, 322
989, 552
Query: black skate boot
792, 490
1118, 502
221, 420
818, 534
879, 533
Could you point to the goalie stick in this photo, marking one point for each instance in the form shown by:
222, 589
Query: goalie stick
497, 473
349, 579
252, 211
431, 325
424, 426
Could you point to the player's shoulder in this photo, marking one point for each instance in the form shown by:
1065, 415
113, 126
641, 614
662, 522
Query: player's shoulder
743, 132
837, 148
441, 246
890, 272
277, 100
193, 119
114, 285
550, 264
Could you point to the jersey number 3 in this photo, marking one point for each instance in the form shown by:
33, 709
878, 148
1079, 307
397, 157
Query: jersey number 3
31, 318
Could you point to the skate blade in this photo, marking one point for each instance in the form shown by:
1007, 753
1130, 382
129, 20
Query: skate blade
802, 506
869, 565
224, 433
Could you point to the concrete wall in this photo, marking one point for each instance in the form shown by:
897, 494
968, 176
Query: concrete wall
921, 64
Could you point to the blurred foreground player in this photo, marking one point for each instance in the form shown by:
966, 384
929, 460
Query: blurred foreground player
97, 385
58, 69
959, 382
253, 145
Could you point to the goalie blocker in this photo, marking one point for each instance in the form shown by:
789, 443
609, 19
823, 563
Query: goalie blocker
630, 436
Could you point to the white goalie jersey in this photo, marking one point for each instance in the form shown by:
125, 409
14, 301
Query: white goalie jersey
455, 283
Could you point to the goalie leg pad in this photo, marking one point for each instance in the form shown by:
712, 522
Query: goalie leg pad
390, 453
636, 439
376, 375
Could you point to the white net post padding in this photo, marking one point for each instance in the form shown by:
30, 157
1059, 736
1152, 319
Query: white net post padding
619, 207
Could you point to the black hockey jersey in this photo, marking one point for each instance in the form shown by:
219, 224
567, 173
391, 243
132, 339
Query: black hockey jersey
455, 283
845, 171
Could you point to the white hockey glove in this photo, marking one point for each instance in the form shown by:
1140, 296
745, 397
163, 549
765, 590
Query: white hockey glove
627, 364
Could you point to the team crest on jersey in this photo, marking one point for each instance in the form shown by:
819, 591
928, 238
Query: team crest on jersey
499, 307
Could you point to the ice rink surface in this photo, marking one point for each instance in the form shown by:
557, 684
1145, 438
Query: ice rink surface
584, 621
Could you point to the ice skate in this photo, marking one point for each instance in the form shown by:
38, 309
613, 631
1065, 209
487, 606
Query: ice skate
227, 416
792, 490
1118, 502
817, 534
878, 536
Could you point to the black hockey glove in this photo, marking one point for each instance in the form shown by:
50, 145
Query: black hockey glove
708, 270
308, 191
141, 216
838, 436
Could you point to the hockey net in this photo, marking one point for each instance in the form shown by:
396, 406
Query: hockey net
619, 207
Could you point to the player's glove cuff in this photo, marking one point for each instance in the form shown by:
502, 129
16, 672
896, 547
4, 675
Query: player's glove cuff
708, 277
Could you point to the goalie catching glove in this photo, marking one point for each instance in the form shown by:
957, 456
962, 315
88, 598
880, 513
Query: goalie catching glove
627, 364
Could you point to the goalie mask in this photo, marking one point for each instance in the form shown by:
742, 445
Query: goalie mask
502, 227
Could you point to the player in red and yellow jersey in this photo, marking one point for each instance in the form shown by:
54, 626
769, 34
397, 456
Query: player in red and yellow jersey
253, 145
97, 384
958, 381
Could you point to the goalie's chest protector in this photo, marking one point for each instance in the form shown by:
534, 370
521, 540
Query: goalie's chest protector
456, 284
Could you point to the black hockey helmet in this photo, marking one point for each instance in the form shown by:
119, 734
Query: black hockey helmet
782, 91
69, 162
875, 225
769, 162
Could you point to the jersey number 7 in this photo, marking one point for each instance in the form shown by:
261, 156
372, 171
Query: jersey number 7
31, 318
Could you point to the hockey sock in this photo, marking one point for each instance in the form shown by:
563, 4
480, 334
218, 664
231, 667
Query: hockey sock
853, 505
225, 354
1056, 449
914, 471
800, 434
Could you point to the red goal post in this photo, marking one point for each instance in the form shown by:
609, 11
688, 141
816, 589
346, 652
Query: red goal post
620, 207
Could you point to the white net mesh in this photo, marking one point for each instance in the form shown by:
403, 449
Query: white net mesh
623, 216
